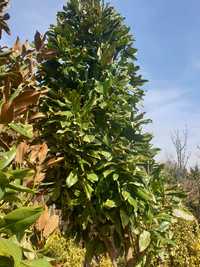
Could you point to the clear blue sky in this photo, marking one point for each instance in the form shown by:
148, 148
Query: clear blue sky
167, 34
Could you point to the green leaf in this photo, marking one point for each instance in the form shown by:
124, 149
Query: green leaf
10, 249
20, 188
109, 204
88, 190
144, 194
124, 218
107, 172
2, 192
72, 179
92, 177
183, 214
20, 219
3, 179
144, 240
21, 173
7, 157
23, 129
127, 196
115, 176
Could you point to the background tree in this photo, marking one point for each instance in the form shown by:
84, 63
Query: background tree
106, 182
182, 155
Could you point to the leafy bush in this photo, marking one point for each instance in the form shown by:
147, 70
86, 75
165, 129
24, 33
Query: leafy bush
108, 185
186, 249
19, 173
68, 253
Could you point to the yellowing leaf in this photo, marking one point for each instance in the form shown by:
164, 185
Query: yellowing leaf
144, 240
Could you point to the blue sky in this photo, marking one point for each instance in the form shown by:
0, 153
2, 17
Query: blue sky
167, 34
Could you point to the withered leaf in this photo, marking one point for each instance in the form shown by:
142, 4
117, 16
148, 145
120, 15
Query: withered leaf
17, 47
42, 152
34, 150
42, 221
39, 177
38, 41
6, 113
28, 97
54, 161
51, 225
21, 152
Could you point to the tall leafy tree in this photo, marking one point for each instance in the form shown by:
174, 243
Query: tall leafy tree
106, 181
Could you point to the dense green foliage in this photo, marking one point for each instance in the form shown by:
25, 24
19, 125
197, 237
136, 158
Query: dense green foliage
72, 141
108, 185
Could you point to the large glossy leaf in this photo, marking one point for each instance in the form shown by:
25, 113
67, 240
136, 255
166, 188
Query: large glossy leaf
21, 173
18, 220
88, 189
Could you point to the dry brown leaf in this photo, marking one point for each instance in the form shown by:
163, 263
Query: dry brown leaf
36, 116
17, 47
43, 219
27, 98
39, 177
38, 41
7, 113
42, 152
21, 152
54, 161
34, 153
51, 226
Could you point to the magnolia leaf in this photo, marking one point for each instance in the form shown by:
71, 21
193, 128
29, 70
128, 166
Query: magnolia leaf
124, 218
21, 174
144, 194
72, 179
183, 214
92, 177
88, 190
20, 188
127, 196
115, 176
20, 219
7, 157
144, 240
107, 172
23, 129
109, 204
